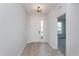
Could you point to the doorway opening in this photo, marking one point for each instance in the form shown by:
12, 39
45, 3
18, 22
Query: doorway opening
61, 33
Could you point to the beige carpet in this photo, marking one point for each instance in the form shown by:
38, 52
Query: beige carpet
40, 49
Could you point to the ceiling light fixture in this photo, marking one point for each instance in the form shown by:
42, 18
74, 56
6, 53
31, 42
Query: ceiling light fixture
38, 9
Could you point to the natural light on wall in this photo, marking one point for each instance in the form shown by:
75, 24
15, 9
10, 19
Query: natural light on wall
59, 27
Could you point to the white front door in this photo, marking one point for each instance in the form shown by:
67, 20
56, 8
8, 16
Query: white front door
37, 28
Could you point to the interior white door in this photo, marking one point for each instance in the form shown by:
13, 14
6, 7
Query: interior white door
35, 28
37, 25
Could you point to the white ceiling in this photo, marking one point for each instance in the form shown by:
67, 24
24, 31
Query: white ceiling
46, 7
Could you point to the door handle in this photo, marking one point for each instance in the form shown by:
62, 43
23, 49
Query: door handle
40, 34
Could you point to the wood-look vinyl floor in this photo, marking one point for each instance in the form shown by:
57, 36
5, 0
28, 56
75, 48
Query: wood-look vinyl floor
40, 49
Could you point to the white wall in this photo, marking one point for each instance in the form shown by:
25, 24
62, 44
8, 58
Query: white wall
12, 29
55, 12
72, 41
52, 28
61, 9
34, 27
72, 30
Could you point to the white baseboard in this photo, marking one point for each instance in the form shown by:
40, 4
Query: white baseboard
22, 49
36, 41
25, 46
53, 47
